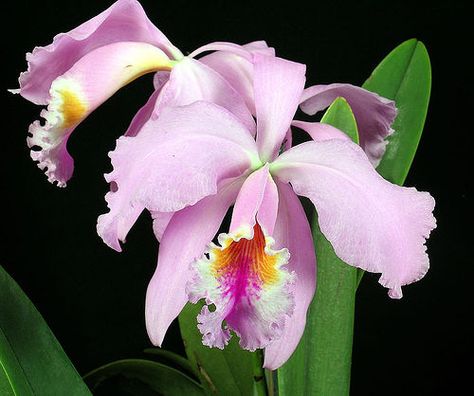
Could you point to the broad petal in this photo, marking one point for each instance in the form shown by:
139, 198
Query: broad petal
371, 223
319, 131
278, 86
374, 114
188, 82
192, 81
79, 91
124, 21
292, 230
237, 69
244, 277
185, 239
174, 162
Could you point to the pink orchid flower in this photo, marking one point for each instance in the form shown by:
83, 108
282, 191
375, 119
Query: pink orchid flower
190, 165
81, 69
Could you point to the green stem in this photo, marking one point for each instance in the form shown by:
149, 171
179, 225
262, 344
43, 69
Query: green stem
260, 384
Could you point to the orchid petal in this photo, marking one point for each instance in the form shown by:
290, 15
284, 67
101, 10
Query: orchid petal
184, 240
257, 201
160, 222
238, 70
320, 131
371, 223
192, 81
78, 92
174, 162
293, 231
144, 114
244, 277
374, 114
223, 46
278, 85
188, 82
124, 21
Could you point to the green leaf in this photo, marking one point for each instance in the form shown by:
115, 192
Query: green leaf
404, 76
172, 359
321, 364
31, 359
340, 115
232, 371
141, 377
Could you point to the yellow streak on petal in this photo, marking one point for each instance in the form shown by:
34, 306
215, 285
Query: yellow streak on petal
73, 109
234, 254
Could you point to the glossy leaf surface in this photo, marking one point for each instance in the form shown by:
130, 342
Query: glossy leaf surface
141, 377
32, 362
232, 371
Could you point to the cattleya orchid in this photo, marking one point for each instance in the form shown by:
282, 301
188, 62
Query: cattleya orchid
81, 69
195, 150
190, 165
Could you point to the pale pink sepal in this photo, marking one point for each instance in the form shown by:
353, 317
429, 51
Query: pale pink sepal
185, 239
374, 114
292, 231
371, 223
198, 145
278, 85
124, 21
319, 131
191, 81
188, 82
237, 69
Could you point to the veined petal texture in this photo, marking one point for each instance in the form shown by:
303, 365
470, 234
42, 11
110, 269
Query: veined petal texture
174, 162
371, 223
374, 114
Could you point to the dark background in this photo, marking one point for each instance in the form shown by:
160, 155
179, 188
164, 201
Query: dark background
93, 297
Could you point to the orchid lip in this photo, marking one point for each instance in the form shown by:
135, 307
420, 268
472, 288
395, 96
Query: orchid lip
247, 283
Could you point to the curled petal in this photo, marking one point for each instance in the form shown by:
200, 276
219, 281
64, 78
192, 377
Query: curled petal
244, 277
124, 21
374, 114
185, 239
174, 162
319, 131
293, 231
278, 86
79, 91
245, 280
371, 223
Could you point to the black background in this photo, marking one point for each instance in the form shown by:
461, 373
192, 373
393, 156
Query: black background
93, 297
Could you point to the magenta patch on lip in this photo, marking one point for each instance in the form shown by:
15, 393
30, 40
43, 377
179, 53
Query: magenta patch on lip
243, 278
